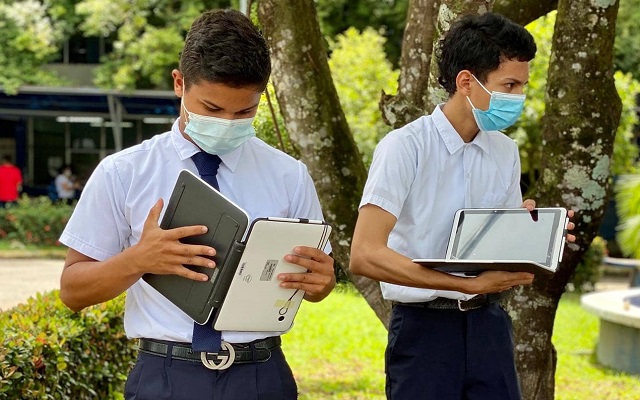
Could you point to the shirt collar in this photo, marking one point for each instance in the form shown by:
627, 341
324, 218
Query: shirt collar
186, 149
450, 136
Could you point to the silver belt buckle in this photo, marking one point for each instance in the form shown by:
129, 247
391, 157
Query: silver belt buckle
461, 306
220, 361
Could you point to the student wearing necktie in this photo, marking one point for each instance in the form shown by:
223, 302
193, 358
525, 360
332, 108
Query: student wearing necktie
223, 70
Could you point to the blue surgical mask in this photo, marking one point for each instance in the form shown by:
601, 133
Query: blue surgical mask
504, 110
218, 135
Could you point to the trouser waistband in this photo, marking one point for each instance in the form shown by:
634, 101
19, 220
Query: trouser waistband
443, 303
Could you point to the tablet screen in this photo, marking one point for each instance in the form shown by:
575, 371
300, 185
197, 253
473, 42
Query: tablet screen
513, 234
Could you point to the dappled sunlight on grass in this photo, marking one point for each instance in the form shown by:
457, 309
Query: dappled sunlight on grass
336, 349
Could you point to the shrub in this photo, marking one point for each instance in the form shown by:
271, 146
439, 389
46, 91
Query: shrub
34, 220
360, 72
628, 206
588, 270
49, 352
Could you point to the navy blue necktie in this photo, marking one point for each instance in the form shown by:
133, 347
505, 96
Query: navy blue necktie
205, 338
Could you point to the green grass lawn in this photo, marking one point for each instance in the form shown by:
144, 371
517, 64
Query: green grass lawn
15, 249
336, 351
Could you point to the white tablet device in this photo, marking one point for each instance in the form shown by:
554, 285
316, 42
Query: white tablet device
504, 239
255, 301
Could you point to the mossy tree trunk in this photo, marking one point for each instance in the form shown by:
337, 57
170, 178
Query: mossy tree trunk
582, 115
317, 126
524, 11
417, 44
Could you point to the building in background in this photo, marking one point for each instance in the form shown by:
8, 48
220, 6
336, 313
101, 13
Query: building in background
42, 128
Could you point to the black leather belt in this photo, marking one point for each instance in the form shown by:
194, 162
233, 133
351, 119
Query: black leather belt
443, 303
244, 353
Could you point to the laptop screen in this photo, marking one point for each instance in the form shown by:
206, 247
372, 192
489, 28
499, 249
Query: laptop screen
514, 234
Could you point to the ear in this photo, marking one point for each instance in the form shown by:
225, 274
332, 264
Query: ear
463, 82
178, 83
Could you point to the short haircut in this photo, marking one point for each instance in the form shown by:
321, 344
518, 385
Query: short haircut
479, 43
223, 46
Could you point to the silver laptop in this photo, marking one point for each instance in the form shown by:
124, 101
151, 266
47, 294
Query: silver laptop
505, 240
255, 301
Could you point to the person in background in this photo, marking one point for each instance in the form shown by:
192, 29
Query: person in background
66, 184
10, 182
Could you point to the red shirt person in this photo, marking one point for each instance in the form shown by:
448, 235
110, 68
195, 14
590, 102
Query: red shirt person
10, 181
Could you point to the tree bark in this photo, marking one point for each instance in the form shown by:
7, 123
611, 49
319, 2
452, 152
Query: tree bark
317, 126
417, 44
582, 115
524, 11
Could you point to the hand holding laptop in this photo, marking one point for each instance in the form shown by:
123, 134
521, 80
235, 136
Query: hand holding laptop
165, 254
530, 205
498, 281
320, 278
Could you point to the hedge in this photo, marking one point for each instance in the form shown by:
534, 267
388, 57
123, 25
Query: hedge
49, 352
34, 220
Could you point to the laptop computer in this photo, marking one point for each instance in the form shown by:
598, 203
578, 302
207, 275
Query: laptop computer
505, 240
268, 240
255, 301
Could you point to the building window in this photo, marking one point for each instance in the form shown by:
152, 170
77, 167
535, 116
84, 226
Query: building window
84, 50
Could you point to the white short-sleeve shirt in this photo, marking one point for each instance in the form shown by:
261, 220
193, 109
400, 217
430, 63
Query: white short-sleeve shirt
423, 173
116, 200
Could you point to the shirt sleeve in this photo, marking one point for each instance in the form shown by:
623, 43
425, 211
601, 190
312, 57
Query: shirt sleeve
98, 227
391, 173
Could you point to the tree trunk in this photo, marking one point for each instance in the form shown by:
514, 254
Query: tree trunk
581, 118
417, 44
524, 11
317, 125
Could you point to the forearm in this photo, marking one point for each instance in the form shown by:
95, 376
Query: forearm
385, 265
88, 282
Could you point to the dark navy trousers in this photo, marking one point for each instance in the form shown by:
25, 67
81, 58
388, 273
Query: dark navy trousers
450, 355
156, 378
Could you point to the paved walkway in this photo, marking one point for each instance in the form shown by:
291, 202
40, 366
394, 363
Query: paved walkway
23, 278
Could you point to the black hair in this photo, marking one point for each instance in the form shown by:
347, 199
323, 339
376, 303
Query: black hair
479, 43
223, 46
